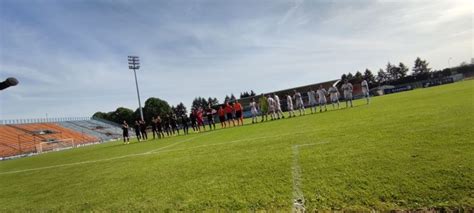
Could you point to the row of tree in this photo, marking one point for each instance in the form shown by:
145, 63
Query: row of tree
153, 107
200, 102
203, 102
247, 94
230, 98
391, 73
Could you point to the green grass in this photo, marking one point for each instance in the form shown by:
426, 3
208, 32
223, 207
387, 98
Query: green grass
408, 150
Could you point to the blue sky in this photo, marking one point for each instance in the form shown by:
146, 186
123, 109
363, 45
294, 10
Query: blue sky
71, 56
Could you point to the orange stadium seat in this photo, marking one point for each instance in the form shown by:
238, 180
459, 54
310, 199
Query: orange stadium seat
23, 138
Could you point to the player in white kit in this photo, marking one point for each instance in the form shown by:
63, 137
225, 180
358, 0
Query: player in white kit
322, 98
278, 106
365, 90
312, 100
299, 102
271, 107
289, 104
253, 110
347, 88
334, 95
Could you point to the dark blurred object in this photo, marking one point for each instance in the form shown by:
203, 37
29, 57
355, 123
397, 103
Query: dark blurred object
8, 83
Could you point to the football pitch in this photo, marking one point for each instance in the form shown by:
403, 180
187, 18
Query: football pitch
411, 150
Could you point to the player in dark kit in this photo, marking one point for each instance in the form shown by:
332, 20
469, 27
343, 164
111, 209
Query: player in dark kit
143, 130
137, 129
126, 138
184, 123
166, 125
159, 126
153, 127
192, 117
210, 117
174, 124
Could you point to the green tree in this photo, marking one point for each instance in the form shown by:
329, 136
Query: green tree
155, 106
212, 101
420, 67
181, 110
358, 77
391, 72
403, 70
101, 115
112, 117
252, 93
123, 114
199, 102
343, 77
136, 114
227, 98
173, 111
350, 77
369, 76
381, 76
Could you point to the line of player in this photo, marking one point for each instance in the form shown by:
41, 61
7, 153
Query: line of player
169, 125
232, 113
270, 105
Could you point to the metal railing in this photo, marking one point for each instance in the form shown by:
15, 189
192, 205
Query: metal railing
43, 120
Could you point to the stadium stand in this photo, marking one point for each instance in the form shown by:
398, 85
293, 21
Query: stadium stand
20, 139
103, 131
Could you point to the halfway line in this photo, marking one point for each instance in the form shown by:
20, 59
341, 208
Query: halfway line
298, 196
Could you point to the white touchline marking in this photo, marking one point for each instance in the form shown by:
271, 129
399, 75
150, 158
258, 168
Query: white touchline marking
100, 160
298, 196
155, 151
72, 164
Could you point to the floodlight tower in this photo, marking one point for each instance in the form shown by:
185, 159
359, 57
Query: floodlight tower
134, 64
